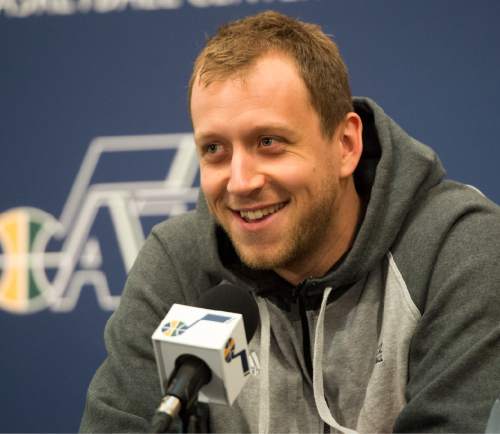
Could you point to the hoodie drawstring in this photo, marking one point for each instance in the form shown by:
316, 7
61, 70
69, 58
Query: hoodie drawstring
318, 387
265, 346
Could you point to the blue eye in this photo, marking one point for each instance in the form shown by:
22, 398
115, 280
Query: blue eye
266, 141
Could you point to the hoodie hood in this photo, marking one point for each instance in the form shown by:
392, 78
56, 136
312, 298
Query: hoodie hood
400, 176
390, 178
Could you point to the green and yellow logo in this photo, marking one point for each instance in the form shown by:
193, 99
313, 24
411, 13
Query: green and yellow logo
174, 328
33, 278
24, 234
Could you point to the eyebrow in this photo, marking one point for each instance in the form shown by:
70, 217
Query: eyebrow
267, 129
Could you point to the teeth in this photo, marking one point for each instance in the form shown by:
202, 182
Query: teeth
258, 214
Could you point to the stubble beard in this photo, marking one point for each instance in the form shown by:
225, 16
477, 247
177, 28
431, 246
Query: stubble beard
300, 240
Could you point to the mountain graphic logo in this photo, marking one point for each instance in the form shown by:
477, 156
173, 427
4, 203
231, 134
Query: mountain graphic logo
178, 327
46, 261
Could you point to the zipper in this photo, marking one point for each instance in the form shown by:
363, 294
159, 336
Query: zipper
306, 340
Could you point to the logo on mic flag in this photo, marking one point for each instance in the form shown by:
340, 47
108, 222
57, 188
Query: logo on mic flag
215, 336
176, 328
230, 355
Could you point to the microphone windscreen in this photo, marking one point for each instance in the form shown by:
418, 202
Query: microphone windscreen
231, 298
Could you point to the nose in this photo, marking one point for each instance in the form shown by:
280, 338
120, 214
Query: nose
245, 177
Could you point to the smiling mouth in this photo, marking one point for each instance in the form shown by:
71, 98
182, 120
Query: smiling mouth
259, 214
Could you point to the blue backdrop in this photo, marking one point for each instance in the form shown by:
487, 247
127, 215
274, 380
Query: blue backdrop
95, 148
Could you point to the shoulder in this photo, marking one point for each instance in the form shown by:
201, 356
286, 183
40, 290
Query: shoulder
166, 241
448, 202
181, 228
189, 239
448, 254
446, 228
175, 259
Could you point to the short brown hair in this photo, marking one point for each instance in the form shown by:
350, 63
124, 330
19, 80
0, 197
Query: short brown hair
237, 45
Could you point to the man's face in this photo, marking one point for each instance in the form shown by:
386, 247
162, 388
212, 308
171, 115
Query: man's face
270, 177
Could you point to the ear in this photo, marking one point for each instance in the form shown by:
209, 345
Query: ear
350, 136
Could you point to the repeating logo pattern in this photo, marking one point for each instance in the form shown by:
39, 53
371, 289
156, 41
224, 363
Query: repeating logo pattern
35, 276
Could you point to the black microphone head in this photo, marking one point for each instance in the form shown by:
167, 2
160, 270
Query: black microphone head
231, 298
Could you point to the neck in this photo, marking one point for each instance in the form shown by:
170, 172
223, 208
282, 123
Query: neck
337, 242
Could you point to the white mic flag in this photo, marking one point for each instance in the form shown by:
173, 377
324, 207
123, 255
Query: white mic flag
216, 337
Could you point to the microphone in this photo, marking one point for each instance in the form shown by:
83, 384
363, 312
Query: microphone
201, 352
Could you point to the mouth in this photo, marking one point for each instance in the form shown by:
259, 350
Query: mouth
255, 215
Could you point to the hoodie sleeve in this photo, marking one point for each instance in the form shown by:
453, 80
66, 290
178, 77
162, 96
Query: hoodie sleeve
454, 361
125, 390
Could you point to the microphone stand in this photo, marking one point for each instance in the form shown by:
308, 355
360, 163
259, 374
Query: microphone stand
181, 400
197, 421
193, 421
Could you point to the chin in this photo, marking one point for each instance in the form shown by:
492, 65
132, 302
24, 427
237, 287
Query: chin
258, 258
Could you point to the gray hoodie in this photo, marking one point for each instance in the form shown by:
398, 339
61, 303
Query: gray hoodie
402, 334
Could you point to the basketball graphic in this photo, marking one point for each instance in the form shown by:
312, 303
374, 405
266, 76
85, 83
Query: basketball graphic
174, 328
24, 234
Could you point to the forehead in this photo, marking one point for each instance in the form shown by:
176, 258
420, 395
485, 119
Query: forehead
272, 84
270, 63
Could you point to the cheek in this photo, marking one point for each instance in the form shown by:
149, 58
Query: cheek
309, 179
293, 176
212, 183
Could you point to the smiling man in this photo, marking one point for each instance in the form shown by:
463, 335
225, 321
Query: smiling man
281, 188
376, 278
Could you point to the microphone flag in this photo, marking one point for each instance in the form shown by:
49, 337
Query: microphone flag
216, 337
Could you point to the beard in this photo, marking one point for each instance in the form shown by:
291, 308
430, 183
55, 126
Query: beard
298, 241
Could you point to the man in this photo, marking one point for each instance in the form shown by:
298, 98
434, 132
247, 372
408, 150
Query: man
377, 280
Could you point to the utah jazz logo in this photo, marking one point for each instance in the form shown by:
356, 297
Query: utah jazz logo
45, 262
174, 328
229, 355
177, 327
24, 233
